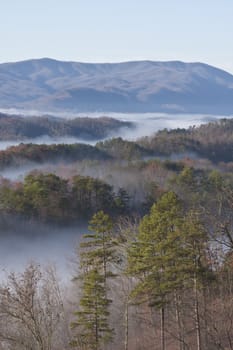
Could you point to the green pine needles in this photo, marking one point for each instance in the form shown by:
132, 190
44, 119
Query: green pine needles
96, 254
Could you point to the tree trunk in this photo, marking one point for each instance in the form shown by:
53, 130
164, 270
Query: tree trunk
197, 315
162, 334
126, 325
179, 324
206, 295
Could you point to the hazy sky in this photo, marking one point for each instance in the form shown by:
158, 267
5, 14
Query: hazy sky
118, 30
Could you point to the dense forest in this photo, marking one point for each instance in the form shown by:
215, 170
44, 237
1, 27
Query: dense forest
22, 128
16, 156
213, 141
154, 268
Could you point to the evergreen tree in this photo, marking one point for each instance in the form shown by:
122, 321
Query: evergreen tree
197, 272
98, 249
96, 253
168, 257
92, 318
121, 201
154, 258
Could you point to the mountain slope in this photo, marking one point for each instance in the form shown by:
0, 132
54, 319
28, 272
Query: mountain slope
141, 86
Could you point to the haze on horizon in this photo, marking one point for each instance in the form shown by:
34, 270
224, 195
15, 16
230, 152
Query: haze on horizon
104, 31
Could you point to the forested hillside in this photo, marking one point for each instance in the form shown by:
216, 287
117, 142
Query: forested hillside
23, 128
153, 270
213, 141
39, 154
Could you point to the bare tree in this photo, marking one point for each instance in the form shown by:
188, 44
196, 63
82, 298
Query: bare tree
31, 310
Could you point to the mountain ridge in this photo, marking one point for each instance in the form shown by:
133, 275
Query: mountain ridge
133, 86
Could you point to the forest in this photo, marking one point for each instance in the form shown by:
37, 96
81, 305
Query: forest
154, 267
15, 127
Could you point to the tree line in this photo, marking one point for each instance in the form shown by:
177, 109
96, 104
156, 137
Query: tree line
24, 154
15, 127
163, 281
212, 141
50, 198
168, 275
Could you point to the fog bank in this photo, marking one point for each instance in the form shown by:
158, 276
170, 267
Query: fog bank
145, 125
22, 242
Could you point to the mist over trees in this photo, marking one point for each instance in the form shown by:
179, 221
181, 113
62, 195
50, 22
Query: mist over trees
167, 277
48, 197
22, 128
154, 269
212, 141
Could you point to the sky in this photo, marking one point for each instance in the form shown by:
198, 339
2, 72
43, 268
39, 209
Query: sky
118, 30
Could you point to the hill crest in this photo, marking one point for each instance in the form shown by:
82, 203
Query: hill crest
136, 86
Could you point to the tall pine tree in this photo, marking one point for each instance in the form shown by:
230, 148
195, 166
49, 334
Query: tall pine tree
98, 246
92, 316
97, 251
168, 257
154, 257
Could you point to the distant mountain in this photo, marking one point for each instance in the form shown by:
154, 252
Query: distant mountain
143, 86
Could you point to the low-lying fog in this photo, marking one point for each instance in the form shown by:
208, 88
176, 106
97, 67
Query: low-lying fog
47, 140
145, 124
25, 242
19, 244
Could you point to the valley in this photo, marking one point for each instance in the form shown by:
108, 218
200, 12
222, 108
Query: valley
72, 184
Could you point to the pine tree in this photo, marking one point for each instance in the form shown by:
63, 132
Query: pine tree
98, 249
96, 253
169, 257
197, 271
92, 318
153, 254
154, 258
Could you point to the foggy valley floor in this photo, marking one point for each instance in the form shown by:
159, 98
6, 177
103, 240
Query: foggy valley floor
170, 192
116, 175
24, 242
145, 124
